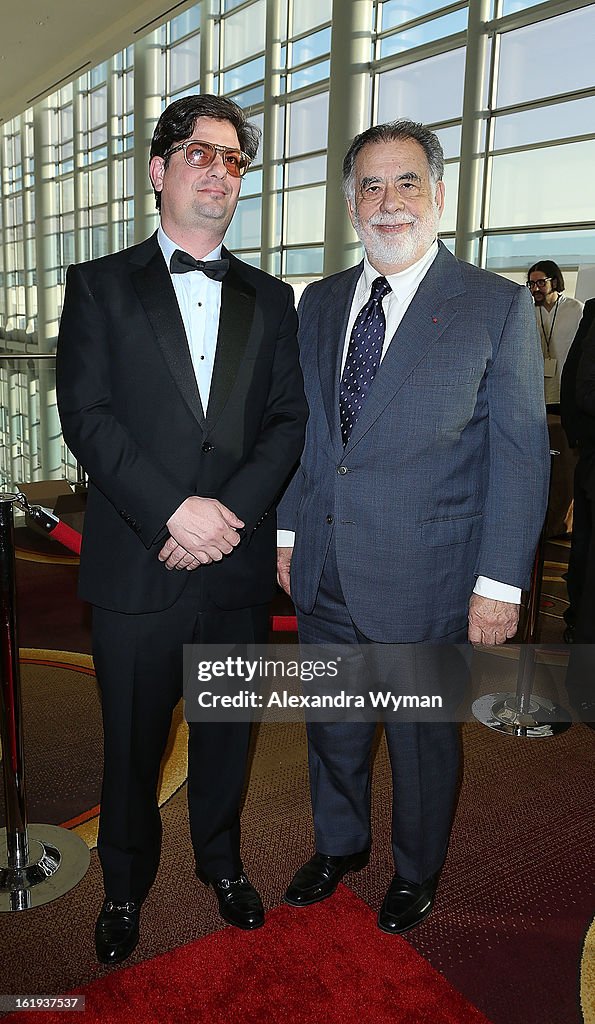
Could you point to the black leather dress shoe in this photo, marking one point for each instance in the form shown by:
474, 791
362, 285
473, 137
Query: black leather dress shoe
116, 931
320, 876
239, 902
406, 904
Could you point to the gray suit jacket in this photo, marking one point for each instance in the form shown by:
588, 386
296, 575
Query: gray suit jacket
445, 475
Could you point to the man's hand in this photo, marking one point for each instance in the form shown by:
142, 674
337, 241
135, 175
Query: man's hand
174, 556
491, 622
203, 526
283, 568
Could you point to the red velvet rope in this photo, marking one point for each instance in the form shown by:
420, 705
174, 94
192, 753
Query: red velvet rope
67, 536
284, 623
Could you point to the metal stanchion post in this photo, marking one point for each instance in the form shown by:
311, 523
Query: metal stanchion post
80, 486
38, 863
524, 713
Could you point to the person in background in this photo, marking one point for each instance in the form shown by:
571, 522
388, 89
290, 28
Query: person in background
557, 317
414, 515
180, 392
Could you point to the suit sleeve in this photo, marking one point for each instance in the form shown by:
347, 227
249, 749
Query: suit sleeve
518, 457
140, 490
290, 502
570, 409
252, 490
585, 377
288, 506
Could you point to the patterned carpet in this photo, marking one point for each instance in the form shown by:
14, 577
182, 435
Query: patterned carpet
517, 894
294, 970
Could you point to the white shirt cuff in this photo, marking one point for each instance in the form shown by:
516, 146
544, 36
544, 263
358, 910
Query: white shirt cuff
285, 538
486, 587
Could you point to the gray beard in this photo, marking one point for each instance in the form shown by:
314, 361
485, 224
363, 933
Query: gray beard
402, 248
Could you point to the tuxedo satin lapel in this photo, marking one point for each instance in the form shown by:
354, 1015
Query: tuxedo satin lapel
430, 313
238, 301
331, 338
156, 293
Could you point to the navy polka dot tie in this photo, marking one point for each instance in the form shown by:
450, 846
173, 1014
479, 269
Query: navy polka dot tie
363, 357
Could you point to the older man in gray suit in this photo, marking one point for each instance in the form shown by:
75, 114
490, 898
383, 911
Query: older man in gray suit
419, 499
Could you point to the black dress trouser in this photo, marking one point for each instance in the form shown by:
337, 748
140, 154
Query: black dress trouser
580, 675
138, 661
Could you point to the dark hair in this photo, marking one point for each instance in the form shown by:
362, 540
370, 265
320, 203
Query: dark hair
177, 121
391, 132
550, 269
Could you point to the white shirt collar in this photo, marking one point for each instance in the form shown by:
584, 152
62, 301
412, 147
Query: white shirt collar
168, 247
405, 281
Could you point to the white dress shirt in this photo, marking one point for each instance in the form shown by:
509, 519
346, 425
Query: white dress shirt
557, 327
199, 299
395, 304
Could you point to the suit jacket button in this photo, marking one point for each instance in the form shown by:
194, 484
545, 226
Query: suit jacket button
330, 520
207, 447
342, 470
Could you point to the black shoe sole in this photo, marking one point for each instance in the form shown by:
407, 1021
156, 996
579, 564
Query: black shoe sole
114, 961
409, 928
310, 903
244, 927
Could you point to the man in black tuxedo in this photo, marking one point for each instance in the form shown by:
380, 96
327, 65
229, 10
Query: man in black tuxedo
180, 392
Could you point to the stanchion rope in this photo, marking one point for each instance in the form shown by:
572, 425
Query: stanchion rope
49, 522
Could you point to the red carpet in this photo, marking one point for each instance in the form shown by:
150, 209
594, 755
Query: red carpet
326, 965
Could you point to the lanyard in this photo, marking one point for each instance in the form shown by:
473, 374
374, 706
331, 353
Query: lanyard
548, 337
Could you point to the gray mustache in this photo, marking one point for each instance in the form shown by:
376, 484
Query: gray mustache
388, 221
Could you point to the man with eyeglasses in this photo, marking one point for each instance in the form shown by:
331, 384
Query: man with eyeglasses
180, 392
413, 518
557, 317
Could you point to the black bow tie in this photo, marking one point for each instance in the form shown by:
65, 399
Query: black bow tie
182, 263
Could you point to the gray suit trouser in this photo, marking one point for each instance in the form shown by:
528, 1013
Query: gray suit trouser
424, 756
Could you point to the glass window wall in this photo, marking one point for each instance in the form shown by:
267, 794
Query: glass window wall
73, 169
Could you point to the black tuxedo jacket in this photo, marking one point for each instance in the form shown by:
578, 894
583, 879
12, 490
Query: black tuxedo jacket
132, 415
